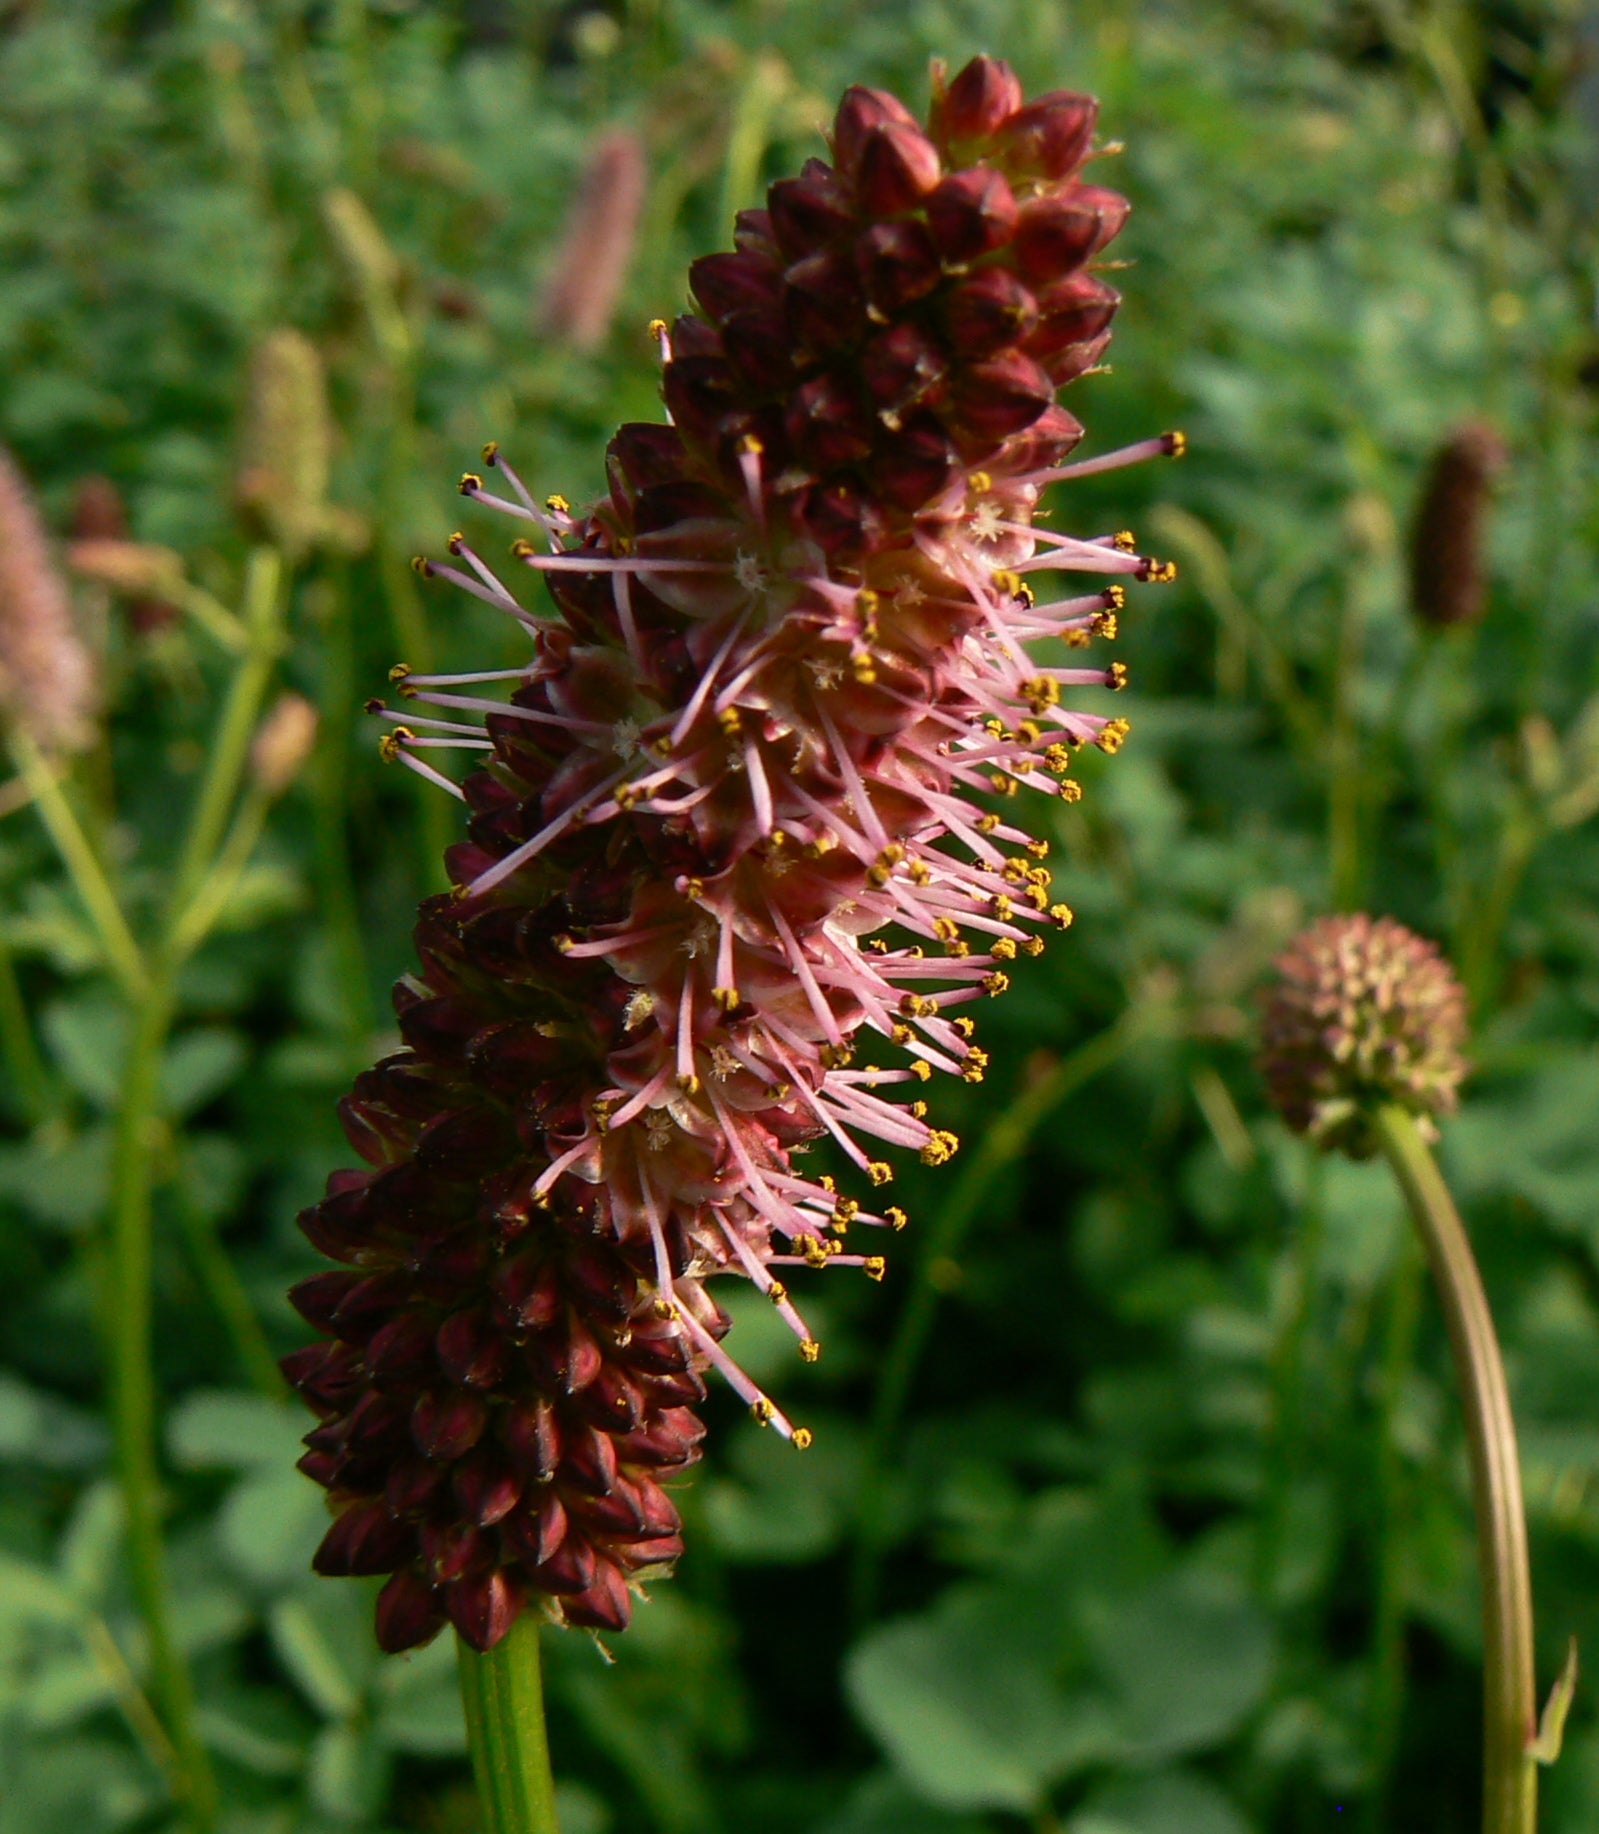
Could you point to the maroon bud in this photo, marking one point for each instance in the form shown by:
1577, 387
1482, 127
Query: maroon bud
982, 97
612, 1402
999, 397
660, 1512
860, 115
902, 365
459, 1145
1057, 233
483, 1606
319, 1298
485, 1487
328, 1375
637, 1555
648, 454
658, 1347
898, 166
619, 1514
1050, 137
810, 213
752, 233
601, 1283
590, 1463
1047, 441
1074, 360
409, 1613
759, 347
452, 1547
569, 1569
971, 213
1072, 311
532, 1438
897, 264
412, 1487
444, 1426
527, 1291
701, 392
987, 311
725, 284
913, 464
838, 516
823, 300
827, 423
672, 1438
606, 1604
537, 1530
364, 1539
471, 1350
322, 1467
375, 1423
402, 1350
583, 1356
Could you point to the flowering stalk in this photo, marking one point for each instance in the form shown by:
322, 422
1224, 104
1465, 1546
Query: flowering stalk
789, 666
1363, 1047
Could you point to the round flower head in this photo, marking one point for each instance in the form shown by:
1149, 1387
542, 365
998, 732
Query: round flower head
1364, 1012
784, 672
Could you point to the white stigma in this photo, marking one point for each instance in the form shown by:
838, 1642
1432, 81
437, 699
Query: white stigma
625, 738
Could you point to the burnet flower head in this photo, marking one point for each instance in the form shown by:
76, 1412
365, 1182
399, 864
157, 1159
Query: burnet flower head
734, 880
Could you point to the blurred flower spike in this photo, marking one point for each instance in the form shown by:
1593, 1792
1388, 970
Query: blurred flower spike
787, 674
1364, 1012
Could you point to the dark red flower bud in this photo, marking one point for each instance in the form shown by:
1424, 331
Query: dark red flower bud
971, 213
532, 1436
725, 284
860, 115
537, 1530
1072, 311
409, 1613
671, 1438
648, 454
364, 1539
412, 1487
1074, 360
901, 366
1048, 440
752, 233
811, 213
483, 1606
987, 311
914, 462
402, 1350
759, 347
701, 393
472, 1348
824, 302
898, 264
451, 1546
590, 1462
317, 1300
636, 1555
603, 1605
977, 103
1050, 137
1060, 231
898, 166
1001, 396
486, 1487
827, 423
570, 1569
528, 1291
444, 1426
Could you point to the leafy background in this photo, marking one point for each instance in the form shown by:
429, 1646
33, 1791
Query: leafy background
1138, 1503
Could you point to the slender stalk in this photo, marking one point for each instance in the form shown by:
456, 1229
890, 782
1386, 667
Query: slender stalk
30, 1079
133, 1392
504, 1700
223, 1287
1004, 1140
1510, 1774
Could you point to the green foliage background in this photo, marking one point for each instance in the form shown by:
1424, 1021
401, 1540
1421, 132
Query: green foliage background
1138, 1503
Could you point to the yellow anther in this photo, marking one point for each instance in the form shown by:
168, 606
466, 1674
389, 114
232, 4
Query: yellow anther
1004, 950
625, 796
750, 444
1116, 676
845, 1211
1115, 597
946, 929
803, 1438
874, 1267
863, 668
1112, 736
1160, 572
1124, 541
922, 1070
1078, 639
688, 1082
399, 671
470, 482
388, 747
1007, 582
694, 888
996, 983
940, 1149
895, 1217
663, 1308
1034, 945
1071, 791
1176, 443
730, 721
777, 1292
966, 1027
828, 1183
810, 1350
1059, 759
987, 823
456, 542
656, 329
522, 549
1038, 849
1024, 594
918, 1110
1063, 915
879, 1172
565, 942
491, 452
1105, 625
557, 505
762, 1411
919, 873
422, 565
980, 482
725, 997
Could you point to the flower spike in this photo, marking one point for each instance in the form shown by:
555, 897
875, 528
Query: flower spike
787, 669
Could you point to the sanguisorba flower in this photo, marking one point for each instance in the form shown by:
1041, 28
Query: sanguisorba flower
787, 672
1363, 1012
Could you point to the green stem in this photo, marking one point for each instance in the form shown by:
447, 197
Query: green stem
504, 1700
1510, 1774
1005, 1139
133, 1391
224, 1288
30, 1079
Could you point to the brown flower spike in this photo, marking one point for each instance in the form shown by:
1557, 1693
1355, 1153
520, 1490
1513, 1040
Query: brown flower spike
1364, 1012
731, 823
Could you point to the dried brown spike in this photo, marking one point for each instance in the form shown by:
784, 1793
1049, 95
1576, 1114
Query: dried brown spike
1448, 574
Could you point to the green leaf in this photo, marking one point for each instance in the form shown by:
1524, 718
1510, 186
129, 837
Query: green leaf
31, 1594
270, 1524
1172, 1802
347, 1774
88, 1038
198, 1066
969, 1720
1545, 1748
231, 1430
320, 1651
884, 1804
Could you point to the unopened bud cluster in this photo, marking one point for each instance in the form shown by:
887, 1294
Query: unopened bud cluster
785, 673
1364, 1012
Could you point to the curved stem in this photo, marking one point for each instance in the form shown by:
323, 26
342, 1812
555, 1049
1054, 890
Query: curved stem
1510, 1775
502, 1692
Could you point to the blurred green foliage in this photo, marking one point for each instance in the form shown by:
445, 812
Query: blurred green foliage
1138, 1502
